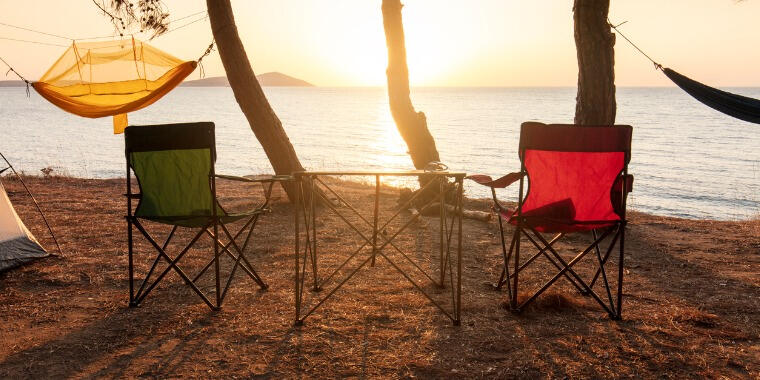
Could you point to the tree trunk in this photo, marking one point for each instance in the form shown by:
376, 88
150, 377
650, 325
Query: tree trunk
594, 42
248, 93
411, 125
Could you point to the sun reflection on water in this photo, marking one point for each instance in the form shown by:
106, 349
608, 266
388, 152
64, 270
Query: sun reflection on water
388, 149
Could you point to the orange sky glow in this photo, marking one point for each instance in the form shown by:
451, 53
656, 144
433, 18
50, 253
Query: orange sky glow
449, 43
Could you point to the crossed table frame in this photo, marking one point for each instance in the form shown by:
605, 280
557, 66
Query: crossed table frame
311, 196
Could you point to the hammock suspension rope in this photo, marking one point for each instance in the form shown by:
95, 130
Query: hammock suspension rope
205, 16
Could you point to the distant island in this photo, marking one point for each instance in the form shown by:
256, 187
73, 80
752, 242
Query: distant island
266, 79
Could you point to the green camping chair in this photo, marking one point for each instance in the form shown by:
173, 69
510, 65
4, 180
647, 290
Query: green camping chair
174, 168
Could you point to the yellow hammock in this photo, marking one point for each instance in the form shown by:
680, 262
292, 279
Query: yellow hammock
97, 79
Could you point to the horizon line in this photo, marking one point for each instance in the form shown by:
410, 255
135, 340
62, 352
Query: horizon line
21, 83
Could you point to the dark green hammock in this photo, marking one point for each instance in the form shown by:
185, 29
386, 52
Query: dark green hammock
738, 106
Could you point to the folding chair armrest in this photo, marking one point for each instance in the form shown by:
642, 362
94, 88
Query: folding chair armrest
618, 186
267, 183
494, 184
499, 183
271, 178
256, 179
618, 195
233, 178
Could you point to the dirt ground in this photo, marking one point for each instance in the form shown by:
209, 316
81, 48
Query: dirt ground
691, 305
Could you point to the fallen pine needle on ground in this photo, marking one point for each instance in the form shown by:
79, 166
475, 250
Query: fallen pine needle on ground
691, 305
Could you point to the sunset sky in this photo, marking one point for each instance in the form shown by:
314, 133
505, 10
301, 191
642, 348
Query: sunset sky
449, 43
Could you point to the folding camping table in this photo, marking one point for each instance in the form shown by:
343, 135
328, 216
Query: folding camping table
373, 238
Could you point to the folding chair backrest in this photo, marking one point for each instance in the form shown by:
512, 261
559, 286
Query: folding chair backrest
174, 165
571, 170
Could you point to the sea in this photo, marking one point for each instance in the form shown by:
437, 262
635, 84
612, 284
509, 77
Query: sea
688, 160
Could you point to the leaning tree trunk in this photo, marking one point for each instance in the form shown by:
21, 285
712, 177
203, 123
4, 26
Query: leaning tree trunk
594, 42
248, 93
411, 125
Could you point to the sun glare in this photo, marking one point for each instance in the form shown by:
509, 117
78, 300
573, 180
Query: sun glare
360, 62
389, 140
390, 151
362, 55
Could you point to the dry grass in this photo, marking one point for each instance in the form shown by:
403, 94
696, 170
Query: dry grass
692, 296
753, 226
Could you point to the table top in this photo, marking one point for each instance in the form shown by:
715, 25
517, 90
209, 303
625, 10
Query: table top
397, 173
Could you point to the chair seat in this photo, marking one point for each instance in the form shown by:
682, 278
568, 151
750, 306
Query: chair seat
543, 223
202, 220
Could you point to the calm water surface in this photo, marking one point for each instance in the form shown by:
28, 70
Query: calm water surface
688, 160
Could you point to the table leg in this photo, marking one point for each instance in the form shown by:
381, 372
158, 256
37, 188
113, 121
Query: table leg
296, 252
312, 185
442, 229
374, 226
460, 193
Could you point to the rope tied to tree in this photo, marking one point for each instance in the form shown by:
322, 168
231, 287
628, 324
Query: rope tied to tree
209, 49
657, 66
11, 70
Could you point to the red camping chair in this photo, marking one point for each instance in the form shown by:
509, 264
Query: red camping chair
576, 177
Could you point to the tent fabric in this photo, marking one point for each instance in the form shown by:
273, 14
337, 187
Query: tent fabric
17, 245
111, 78
738, 106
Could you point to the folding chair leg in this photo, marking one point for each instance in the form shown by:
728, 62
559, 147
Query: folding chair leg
619, 234
516, 274
231, 276
155, 263
567, 267
504, 277
251, 272
257, 278
598, 270
225, 248
604, 278
132, 300
500, 282
221, 292
172, 265
548, 247
246, 265
619, 311
217, 279
553, 279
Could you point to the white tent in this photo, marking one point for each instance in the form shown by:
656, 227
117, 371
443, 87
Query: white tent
17, 245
